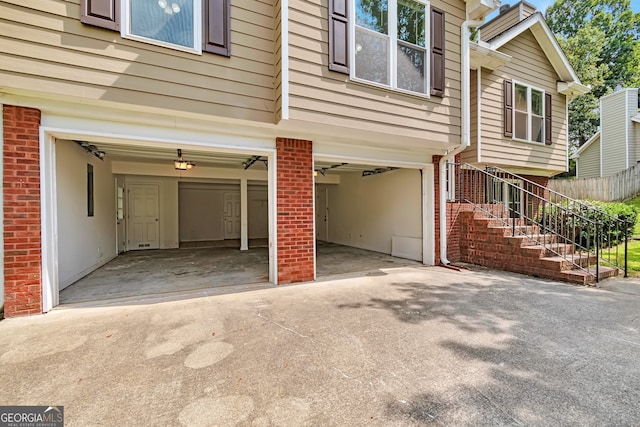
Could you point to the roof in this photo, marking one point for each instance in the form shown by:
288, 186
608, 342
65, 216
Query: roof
549, 45
596, 136
502, 12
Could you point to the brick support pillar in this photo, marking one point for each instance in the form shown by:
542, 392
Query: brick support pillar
295, 210
22, 240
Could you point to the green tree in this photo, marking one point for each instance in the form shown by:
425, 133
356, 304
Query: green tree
601, 40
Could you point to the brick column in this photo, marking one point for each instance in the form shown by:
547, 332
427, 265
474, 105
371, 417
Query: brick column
295, 210
22, 241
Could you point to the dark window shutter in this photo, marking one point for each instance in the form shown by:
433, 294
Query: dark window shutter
437, 52
547, 119
217, 27
101, 13
508, 108
338, 36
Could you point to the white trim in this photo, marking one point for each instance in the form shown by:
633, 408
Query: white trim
428, 215
284, 60
244, 215
50, 282
529, 112
313, 162
272, 191
627, 125
536, 20
392, 39
2, 208
479, 107
49, 222
601, 162
125, 29
566, 119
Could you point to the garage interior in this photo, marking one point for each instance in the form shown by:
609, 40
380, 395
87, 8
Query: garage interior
131, 225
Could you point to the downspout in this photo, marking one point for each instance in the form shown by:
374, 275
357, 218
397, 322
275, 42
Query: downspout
466, 135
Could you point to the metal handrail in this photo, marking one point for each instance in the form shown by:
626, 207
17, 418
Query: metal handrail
620, 223
555, 221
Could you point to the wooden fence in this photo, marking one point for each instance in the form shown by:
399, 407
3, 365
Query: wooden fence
621, 186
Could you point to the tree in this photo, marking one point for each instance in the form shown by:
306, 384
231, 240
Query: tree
601, 41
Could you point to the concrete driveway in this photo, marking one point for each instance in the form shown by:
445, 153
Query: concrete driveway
406, 346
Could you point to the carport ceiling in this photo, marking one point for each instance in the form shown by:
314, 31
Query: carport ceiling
342, 167
123, 152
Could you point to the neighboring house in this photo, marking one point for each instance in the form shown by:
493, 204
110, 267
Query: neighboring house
616, 146
374, 96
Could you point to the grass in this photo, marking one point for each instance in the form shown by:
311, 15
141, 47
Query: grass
633, 246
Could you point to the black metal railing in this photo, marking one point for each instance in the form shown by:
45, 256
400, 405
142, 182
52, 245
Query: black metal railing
581, 234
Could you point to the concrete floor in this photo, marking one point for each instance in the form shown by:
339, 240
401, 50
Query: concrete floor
210, 271
409, 346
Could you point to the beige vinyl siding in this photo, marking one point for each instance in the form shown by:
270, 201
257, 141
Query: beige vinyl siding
470, 154
328, 98
528, 66
615, 125
588, 163
527, 10
46, 48
500, 24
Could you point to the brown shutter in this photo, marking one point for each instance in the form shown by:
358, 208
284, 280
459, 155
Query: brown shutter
437, 52
217, 27
547, 119
101, 13
338, 36
508, 108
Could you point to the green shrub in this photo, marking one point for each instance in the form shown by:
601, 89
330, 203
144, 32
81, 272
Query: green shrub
577, 222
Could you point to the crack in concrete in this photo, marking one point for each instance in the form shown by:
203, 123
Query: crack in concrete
316, 350
496, 406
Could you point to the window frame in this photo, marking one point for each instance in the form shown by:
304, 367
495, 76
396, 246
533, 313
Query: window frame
392, 29
125, 28
530, 114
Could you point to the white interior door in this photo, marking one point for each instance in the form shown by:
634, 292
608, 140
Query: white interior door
143, 217
322, 214
232, 215
120, 222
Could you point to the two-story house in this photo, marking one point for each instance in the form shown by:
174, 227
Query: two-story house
616, 146
149, 124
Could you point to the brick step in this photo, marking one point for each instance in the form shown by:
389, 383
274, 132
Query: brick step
536, 239
550, 249
584, 278
558, 263
520, 230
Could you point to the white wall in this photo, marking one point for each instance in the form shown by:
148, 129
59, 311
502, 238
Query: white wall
84, 243
201, 210
366, 212
168, 218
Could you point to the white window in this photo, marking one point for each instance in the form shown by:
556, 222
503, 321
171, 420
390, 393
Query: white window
528, 113
176, 24
391, 44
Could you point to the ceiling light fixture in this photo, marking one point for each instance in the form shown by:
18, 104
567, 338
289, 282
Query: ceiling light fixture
181, 164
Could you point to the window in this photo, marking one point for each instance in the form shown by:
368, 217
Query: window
189, 25
528, 113
171, 23
390, 44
